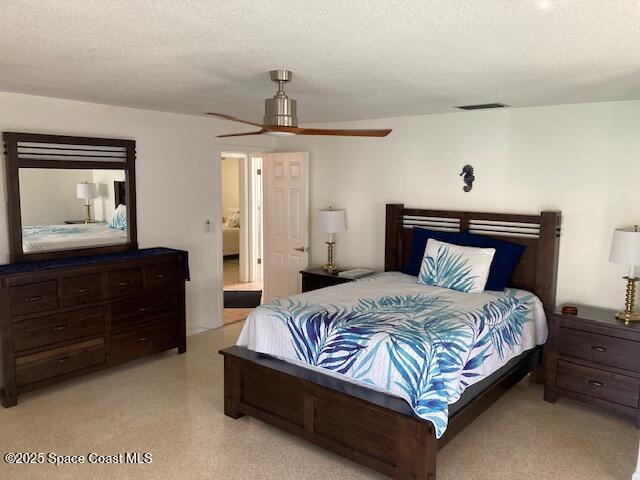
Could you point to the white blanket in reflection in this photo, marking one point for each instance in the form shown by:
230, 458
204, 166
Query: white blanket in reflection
44, 238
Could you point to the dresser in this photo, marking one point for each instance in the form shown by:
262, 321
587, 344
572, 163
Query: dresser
60, 319
594, 358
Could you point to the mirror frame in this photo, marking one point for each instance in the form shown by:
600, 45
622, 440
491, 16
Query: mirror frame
14, 163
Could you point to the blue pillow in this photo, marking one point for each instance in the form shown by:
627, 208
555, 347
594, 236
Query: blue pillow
419, 243
504, 261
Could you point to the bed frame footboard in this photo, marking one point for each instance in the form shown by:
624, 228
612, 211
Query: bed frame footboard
382, 439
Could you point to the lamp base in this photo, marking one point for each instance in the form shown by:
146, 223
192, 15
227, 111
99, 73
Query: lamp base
629, 314
329, 267
626, 317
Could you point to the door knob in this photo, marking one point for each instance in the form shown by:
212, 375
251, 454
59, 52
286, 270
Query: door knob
301, 249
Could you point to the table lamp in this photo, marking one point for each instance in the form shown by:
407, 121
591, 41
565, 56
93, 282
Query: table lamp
87, 192
331, 221
625, 249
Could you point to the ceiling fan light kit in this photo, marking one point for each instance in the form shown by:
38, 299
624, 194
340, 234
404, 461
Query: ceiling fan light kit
281, 120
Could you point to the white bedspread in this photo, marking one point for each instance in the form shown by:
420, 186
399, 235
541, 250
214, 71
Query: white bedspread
46, 238
230, 240
424, 344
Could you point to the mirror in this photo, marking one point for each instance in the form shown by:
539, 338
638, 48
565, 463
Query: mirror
62, 209
69, 196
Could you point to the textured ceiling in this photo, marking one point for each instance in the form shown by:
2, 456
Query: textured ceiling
353, 59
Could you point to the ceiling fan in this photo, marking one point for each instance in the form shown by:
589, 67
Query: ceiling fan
280, 117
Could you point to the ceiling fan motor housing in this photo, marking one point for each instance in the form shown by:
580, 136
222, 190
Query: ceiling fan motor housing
280, 110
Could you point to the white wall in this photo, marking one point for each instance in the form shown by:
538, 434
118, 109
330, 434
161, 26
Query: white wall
581, 159
104, 205
230, 185
177, 174
48, 196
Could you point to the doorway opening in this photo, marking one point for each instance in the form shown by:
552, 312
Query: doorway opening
242, 237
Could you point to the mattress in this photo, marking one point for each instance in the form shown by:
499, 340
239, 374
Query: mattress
388, 332
230, 240
46, 238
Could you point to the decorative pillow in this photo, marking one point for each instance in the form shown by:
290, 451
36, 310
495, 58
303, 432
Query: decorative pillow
506, 259
419, 243
119, 218
459, 268
234, 220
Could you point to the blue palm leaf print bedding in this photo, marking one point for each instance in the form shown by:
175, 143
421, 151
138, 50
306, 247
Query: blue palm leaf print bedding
424, 344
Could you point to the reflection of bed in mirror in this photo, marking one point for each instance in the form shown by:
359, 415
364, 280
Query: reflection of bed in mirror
73, 235
45, 238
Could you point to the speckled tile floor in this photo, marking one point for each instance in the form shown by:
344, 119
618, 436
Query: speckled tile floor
171, 406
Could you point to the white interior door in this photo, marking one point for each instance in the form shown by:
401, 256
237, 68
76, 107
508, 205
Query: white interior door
286, 222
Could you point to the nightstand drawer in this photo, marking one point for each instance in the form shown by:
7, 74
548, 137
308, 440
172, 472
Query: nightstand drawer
612, 351
608, 386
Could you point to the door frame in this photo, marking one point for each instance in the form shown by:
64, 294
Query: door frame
221, 149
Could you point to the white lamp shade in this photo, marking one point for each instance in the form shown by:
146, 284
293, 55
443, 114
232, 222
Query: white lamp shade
331, 221
625, 247
87, 191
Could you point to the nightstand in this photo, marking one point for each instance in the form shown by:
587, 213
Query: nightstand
77, 222
594, 358
315, 278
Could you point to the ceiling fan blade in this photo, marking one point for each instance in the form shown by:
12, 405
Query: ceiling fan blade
259, 132
329, 131
233, 119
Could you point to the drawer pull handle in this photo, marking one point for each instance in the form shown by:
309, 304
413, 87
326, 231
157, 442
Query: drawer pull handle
63, 359
144, 309
598, 349
144, 339
123, 284
35, 298
57, 328
160, 276
82, 290
595, 384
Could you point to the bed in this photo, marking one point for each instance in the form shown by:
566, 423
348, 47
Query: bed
392, 430
230, 241
49, 238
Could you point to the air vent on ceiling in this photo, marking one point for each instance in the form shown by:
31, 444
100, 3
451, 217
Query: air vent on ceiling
482, 106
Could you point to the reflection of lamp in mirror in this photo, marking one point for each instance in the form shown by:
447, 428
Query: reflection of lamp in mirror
331, 221
87, 192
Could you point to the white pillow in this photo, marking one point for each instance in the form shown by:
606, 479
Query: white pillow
459, 268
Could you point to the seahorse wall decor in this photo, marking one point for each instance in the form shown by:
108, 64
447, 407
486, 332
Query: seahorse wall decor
467, 177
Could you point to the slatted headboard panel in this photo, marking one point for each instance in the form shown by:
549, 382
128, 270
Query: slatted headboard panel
537, 269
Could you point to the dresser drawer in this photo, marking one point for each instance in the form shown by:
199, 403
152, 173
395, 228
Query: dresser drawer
608, 386
58, 361
124, 282
612, 351
144, 341
81, 289
158, 277
128, 313
60, 327
37, 297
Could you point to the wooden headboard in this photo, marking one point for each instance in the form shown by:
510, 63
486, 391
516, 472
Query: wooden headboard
537, 269
120, 190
